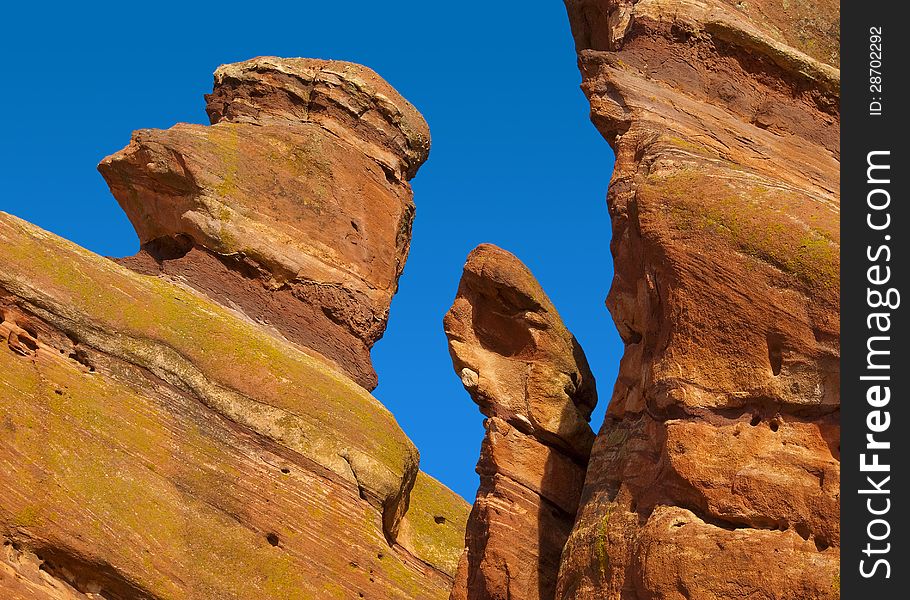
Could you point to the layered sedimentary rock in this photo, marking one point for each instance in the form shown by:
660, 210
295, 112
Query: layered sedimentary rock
716, 471
156, 445
531, 379
159, 437
293, 206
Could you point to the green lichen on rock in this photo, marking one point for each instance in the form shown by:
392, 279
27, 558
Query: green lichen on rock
106, 460
601, 541
757, 220
434, 527
85, 464
237, 368
125, 467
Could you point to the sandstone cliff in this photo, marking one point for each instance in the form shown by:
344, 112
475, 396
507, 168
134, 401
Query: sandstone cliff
531, 379
200, 428
293, 206
716, 472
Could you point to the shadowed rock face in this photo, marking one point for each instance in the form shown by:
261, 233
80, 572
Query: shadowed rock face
293, 206
530, 378
716, 471
173, 432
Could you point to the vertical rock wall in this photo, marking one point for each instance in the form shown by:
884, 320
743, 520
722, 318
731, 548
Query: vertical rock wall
716, 472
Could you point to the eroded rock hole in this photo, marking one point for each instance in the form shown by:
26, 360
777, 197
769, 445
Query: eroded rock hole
439, 519
775, 353
285, 470
169, 248
29, 342
81, 357
272, 538
774, 425
756, 419
629, 336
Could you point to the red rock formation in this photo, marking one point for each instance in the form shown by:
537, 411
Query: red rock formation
293, 206
157, 444
716, 471
530, 378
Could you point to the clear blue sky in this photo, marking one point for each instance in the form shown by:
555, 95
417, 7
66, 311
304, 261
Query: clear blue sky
514, 161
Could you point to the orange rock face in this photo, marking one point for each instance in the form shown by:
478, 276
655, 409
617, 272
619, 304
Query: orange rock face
293, 206
530, 378
177, 432
715, 474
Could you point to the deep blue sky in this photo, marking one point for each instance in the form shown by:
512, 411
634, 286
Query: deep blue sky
514, 161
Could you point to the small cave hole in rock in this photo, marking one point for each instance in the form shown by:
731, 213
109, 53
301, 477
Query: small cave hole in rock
802, 530
355, 226
380, 556
59, 392
29, 343
756, 419
285, 470
169, 248
272, 538
774, 425
439, 519
821, 544
775, 352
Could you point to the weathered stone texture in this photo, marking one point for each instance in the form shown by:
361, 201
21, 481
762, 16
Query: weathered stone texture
715, 474
293, 206
197, 426
531, 379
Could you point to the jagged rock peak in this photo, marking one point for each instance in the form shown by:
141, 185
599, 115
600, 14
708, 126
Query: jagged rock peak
293, 206
530, 377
